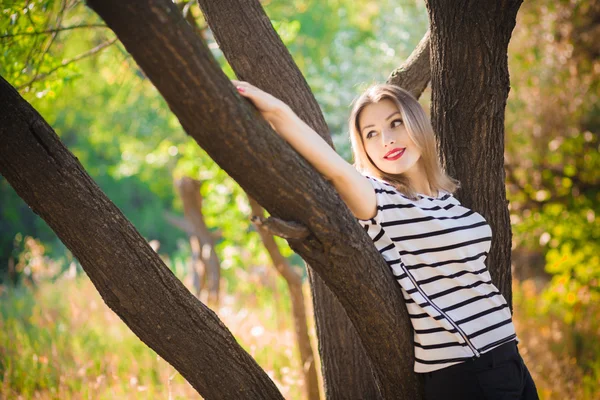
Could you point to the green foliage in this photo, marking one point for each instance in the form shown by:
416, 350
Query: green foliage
553, 153
25, 55
112, 119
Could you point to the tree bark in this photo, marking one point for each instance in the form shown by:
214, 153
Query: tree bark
263, 60
210, 110
470, 84
294, 282
130, 276
203, 247
415, 73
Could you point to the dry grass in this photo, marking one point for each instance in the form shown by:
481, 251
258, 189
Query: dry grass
61, 341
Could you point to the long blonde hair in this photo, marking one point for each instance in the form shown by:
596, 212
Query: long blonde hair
419, 130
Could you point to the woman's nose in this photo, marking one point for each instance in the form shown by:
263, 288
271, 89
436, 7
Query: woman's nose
388, 138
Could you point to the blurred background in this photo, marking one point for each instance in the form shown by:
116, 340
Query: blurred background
58, 340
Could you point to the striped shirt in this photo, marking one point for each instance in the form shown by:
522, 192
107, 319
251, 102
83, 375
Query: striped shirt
436, 250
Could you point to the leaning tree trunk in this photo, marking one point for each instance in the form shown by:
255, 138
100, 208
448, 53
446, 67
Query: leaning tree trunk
203, 244
268, 169
470, 84
197, 268
130, 276
263, 60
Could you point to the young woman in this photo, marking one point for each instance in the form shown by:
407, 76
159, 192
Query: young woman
464, 338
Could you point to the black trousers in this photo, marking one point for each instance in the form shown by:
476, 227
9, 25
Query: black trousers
499, 374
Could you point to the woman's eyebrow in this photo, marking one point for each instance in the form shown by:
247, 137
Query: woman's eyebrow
390, 116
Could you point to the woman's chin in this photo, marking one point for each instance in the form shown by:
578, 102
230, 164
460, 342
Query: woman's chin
399, 168
394, 171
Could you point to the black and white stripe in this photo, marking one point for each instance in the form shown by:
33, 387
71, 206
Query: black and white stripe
436, 249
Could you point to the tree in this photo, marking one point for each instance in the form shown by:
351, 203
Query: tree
470, 85
294, 284
205, 264
336, 248
132, 279
263, 60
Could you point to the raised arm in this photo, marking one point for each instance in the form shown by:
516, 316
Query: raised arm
354, 188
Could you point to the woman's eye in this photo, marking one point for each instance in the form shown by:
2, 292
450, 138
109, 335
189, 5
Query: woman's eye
370, 134
396, 122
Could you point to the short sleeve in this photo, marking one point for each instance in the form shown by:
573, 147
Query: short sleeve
382, 192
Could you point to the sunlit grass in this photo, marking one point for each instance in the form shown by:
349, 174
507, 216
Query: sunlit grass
61, 341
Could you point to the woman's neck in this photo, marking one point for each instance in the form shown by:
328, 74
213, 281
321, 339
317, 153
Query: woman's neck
418, 179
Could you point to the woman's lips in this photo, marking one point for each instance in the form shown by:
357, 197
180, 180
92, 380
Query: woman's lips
395, 154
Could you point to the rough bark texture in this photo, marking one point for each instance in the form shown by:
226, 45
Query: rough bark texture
205, 260
294, 282
131, 278
414, 74
263, 60
210, 110
470, 84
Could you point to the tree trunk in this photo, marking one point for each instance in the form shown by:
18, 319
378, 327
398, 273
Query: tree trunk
189, 191
130, 276
209, 109
294, 282
197, 268
263, 60
470, 84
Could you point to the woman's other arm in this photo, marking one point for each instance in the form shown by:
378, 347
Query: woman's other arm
354, 189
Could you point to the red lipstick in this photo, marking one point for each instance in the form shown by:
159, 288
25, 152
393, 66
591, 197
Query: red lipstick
394, 154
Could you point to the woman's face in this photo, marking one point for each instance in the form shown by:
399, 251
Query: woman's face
386, 139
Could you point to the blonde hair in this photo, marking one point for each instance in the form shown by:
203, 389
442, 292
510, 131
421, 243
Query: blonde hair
419, 130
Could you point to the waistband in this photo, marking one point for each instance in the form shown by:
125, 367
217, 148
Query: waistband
504, 352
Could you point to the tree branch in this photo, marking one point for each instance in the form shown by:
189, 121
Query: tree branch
469, 86
285, 229
182, 68
415, 73
49, 42
55, 30
131, 278
262, 59
294, 281
64, 63
179, 222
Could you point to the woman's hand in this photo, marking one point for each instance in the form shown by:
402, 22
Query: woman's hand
269, 106
355, 189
